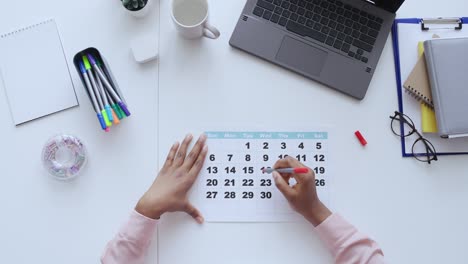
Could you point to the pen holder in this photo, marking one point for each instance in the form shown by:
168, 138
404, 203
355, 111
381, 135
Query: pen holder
100, 86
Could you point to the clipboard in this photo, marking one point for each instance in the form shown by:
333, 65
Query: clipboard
406, 33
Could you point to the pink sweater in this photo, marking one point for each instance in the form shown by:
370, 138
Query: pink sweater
343, 240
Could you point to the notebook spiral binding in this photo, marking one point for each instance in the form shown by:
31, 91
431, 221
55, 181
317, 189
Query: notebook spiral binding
25, 28
419, 96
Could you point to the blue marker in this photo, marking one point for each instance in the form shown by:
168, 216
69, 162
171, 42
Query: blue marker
93, 97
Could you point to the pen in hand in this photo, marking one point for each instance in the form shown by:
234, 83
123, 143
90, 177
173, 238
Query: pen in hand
286, 170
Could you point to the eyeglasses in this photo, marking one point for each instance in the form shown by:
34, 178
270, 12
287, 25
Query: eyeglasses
406, 128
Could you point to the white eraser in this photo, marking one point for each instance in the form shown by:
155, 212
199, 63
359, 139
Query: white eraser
145, 48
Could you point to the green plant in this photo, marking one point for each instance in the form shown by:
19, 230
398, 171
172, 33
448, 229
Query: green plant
134, 5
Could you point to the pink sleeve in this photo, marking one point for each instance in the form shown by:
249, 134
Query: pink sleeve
130, 245
346, 243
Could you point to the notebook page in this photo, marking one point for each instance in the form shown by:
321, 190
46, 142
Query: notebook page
35, 72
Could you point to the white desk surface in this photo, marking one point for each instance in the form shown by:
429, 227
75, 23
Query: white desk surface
416, 212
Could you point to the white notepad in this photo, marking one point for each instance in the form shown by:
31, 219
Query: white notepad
35, 72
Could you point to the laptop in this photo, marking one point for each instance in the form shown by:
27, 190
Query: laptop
335, 42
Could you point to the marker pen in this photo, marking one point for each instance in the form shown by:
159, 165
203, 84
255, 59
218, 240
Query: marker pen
115, 107
104, 99
116, 110
107, 84
93, 98
115, 114
287, 170
96, 91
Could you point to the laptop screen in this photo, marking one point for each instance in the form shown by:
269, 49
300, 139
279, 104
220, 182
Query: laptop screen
389, 5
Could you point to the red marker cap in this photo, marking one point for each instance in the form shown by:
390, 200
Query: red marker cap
361, 138
301, 170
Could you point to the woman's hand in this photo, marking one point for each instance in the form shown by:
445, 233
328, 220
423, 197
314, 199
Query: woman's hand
168, 193
302, 196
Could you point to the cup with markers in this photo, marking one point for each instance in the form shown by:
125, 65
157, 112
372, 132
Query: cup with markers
100, 85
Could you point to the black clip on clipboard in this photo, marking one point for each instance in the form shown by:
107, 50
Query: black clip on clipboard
441, 21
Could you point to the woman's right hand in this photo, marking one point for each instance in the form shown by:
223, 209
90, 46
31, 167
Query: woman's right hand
303, 195
168, 193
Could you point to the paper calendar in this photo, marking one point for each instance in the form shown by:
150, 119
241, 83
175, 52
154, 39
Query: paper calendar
232, 186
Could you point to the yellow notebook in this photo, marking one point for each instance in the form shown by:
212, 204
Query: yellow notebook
428, 117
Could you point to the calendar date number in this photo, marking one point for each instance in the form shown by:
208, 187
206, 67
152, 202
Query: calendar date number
211, 195
265, 195
319, 182
229, 195
248, 182
247, 195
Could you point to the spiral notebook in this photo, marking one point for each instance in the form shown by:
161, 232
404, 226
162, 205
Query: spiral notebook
418, 84
35, 72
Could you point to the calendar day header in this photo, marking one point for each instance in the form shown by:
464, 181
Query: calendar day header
266, 135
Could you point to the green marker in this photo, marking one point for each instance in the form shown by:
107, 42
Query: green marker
114, 106
122, 112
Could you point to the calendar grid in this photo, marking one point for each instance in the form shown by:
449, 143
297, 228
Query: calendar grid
232, 186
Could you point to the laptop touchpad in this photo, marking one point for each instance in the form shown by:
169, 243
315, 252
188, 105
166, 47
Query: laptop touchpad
301, 56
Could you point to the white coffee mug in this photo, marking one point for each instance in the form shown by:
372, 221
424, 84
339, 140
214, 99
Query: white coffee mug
190, 18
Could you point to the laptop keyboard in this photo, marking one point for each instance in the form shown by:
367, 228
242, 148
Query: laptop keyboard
346, 29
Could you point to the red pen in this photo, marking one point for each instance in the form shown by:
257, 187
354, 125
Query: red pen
287, 170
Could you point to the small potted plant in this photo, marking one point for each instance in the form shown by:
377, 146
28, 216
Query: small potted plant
138, 8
